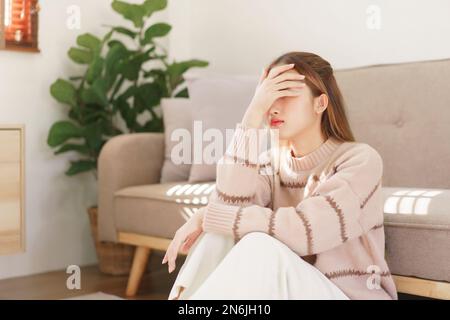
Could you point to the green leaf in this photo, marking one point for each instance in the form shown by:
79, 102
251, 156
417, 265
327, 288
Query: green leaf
151, 6
100, 90
117, 86
64, 92
137, 12
176, 70
107, 37
154, 31
80, 56
154, 73
130, 92
159, 78
131, 12
95, 69
83, 149
89, 41
74, 114
131, 68
160, 56
61, 131
153, 125
125, 31
94, 113
81, 166
93, 135
109, 129
118, 43
182, 93
115, 55
96, 94
75, 78
128, 114
148, 95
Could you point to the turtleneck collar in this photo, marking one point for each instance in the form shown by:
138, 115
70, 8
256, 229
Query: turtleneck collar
312, 159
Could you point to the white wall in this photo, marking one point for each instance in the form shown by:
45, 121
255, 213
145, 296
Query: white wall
241, 36
57, 226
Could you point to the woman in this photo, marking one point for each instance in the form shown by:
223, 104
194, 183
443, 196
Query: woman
303, 220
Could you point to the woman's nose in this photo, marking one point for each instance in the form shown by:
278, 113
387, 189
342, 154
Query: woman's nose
274, 111
276, 107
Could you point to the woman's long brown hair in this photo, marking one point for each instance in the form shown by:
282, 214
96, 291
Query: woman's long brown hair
320, 78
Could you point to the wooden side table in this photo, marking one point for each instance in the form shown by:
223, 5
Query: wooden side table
12, 179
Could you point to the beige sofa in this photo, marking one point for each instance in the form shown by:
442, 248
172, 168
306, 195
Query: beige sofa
402, 110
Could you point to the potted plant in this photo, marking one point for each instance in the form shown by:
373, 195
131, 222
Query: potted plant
116, 88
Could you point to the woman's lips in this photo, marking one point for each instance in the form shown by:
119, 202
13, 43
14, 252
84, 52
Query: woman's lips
276, 123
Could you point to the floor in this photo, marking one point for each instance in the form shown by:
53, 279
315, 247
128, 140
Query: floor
155, 285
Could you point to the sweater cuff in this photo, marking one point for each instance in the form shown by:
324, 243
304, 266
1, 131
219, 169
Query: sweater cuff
244, 145
221, 218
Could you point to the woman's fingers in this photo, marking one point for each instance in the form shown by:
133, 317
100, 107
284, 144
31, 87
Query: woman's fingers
289, 84
179, 243
288, 76
167, 254
172, 252
191, 240
288, 93
275, 71
186, 245
171, 262
264, 74
184, 237
173, 256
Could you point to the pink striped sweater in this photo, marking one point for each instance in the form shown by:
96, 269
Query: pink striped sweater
326, 206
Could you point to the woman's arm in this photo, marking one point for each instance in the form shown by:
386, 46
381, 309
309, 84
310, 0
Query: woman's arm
239, 178
328, 218
238, 173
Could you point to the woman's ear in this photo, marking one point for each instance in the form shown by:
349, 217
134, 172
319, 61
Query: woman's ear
321, 103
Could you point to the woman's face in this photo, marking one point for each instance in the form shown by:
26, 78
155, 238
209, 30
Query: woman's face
296, 112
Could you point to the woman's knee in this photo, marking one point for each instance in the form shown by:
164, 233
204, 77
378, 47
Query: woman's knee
256, 237
214, 241
263, 241
255, 246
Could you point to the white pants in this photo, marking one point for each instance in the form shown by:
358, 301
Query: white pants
257, 267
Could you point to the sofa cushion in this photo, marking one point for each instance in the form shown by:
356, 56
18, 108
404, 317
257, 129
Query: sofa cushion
219, 101
417, 229
177, 115
158, 209
417, 221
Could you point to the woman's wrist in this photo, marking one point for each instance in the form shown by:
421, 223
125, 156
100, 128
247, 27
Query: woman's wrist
253, 118
200, 213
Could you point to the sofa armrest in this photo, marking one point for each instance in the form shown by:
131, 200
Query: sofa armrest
125, 160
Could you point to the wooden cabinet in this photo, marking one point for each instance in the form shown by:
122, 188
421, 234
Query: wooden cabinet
12, 231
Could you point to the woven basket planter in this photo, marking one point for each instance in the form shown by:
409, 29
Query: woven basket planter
113, 258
